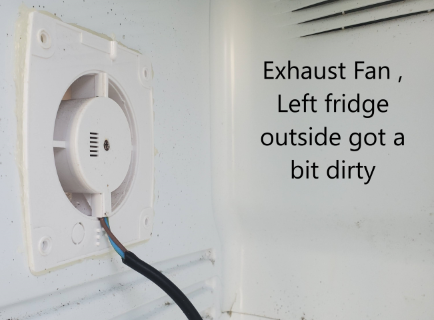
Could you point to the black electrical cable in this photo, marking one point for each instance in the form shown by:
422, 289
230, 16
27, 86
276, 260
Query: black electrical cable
164, 283
156, 277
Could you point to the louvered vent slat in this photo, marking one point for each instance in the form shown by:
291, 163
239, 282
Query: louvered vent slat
362, 8
322, 17
93, 144
321, 3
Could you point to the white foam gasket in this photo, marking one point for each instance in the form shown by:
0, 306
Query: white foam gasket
57, 56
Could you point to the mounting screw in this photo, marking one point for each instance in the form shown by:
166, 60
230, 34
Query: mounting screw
106, 145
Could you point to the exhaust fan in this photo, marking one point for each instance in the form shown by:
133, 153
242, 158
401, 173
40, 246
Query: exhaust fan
87, 143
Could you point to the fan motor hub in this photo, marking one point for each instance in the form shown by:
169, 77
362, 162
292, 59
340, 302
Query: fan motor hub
98, 145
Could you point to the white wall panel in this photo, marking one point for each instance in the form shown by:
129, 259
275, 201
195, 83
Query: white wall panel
322, 249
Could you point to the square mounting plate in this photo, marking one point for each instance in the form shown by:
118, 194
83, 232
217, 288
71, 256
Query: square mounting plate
57, 54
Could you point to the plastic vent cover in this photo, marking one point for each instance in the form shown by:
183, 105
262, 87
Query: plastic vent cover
88, 143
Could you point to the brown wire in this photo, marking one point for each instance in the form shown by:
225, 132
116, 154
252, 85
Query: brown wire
111, 235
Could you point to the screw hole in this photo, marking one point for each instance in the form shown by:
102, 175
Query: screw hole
145, 73
45, 245
146, 221
44, 39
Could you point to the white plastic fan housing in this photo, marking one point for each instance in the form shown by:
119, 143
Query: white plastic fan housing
97, 151
87, 148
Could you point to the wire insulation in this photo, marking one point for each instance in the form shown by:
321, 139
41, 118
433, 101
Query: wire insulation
105, 225
164, 283
117, 249
131, 260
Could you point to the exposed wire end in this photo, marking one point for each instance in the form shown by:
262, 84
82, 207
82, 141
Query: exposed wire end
117, 246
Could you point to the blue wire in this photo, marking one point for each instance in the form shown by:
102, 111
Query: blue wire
117, 249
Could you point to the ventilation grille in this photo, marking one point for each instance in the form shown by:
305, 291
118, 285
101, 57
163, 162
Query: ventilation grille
94, 143
319, 17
